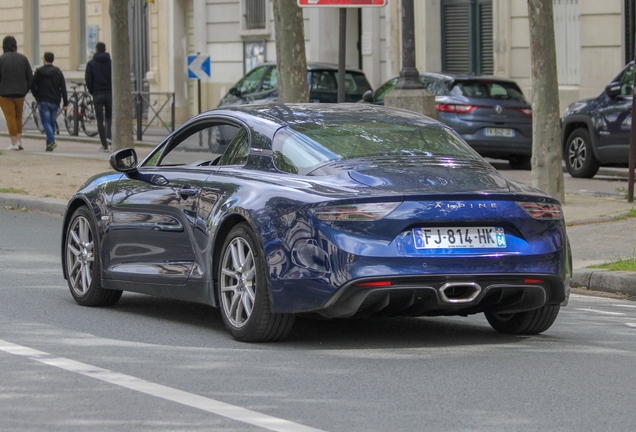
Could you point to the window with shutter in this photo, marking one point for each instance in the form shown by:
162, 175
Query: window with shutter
467, 36
255, 14
567, 40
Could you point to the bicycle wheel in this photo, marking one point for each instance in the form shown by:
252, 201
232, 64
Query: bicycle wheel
68, 118
36, 116
88, 118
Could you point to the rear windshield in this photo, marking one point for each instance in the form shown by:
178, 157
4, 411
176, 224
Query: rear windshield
487, 89
301, 148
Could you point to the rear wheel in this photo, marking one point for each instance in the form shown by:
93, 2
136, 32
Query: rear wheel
68, 118
579, 156
524, 323
82, 262
89, 120
36, 116
243, 291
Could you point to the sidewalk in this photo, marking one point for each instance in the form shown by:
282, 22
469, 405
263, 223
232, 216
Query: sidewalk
62, 171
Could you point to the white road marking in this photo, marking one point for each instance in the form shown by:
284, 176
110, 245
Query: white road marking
599, 311
157, 390
630, 324
624, 305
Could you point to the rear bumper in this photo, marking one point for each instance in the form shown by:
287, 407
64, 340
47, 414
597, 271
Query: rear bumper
447, 295
499, 147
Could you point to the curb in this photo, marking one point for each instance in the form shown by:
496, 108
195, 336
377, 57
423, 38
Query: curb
46, 205
604, 280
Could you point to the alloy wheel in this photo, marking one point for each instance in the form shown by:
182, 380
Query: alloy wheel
80, 255
238, 276
577, 151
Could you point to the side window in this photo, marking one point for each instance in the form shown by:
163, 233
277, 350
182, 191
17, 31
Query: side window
250, 83
238, 150
199, 145
627, 82
270, 82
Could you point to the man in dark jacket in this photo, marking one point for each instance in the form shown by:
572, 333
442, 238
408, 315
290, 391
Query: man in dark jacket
15, 80
49, 89
99, 84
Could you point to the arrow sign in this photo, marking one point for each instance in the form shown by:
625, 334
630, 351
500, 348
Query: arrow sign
198, 66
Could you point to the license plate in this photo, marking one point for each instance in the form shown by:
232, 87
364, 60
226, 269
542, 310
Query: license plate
452, 238
499, 132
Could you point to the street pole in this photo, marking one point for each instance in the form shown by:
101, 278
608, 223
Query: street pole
409, 75
342, 50
632, 152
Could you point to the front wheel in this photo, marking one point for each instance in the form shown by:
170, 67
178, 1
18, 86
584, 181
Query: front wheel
36, 116
82, 262
89, 119
524, 323
243, 291
579, 156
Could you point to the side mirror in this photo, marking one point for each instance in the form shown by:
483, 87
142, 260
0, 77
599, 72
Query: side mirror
612, 90
368, 96
124, 161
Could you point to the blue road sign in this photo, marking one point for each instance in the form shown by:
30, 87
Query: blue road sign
198, 66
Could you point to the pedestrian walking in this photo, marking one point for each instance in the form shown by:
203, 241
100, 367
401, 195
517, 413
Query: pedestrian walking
99, 84
15, 81
49, 89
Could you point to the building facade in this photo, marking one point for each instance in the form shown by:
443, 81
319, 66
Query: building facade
594, 40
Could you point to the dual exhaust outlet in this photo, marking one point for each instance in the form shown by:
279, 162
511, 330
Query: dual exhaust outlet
459, 292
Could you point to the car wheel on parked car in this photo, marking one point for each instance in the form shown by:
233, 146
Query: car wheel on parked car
579, 156
245, 305
83, 264
532, 322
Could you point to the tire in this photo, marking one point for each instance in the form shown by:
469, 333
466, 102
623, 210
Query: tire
68, 118
88, 119
520, 162
524, 323
244, 293
82, 262
579, 155
36, 116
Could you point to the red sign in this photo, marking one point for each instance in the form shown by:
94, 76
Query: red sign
342, 3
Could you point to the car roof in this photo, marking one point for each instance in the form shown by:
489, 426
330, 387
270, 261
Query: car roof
320, 66
285, 114
466, 77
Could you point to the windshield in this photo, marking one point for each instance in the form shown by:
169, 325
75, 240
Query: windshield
301, 148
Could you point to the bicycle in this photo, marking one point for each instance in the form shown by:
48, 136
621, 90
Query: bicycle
80, 111
30, 112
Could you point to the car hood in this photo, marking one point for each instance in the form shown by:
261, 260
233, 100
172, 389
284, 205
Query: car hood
427, 175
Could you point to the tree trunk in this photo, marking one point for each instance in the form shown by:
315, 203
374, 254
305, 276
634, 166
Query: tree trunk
291, 61
547, 171
122, 127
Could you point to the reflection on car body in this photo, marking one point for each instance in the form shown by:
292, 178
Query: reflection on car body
333, 210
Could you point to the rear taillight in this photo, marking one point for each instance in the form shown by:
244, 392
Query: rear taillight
526, 111
454, 108
374, 284
542, 210
355, 212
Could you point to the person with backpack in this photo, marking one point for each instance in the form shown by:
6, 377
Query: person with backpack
49, 89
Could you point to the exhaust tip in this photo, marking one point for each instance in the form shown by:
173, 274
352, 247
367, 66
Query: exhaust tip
459, 292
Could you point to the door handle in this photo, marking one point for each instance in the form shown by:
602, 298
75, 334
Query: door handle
186, 192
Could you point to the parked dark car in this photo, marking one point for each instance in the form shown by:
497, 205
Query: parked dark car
333, 210
596, 132
490, 113
260, 85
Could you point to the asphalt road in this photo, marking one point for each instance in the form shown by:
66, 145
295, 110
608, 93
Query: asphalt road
152, 364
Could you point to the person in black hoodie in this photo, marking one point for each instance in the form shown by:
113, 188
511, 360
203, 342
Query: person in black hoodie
99, 84
15, 80
49, 89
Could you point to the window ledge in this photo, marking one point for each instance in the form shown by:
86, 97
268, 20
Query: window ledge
264, 33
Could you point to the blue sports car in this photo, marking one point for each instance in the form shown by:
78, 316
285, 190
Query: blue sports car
333, 210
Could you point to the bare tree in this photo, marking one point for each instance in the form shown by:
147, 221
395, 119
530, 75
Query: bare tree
122, 98
291, 61
547, 171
